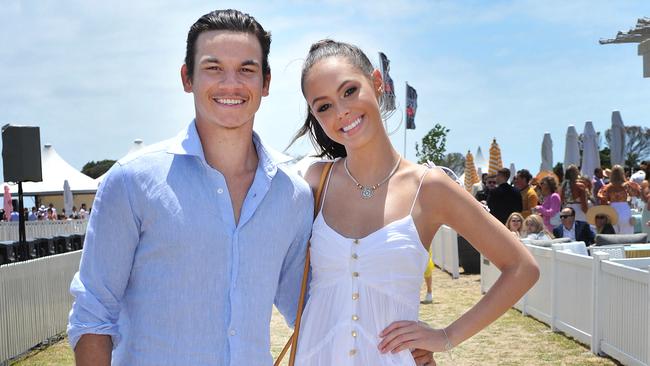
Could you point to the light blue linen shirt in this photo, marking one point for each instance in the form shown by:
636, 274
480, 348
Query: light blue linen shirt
167, 273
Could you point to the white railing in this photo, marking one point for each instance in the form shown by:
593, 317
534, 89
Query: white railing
42, 229
602, 303
444, 250
34, 301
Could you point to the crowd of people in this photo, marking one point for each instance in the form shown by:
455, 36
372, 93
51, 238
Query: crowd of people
567, 204
48, 213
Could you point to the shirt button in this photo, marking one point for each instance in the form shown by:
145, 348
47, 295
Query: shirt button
355, 296
355, 256
355, 317
355, 274
220, 190
233, 332
353, 352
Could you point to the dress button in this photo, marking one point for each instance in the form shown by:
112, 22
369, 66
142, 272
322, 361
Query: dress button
354, 333
356, 241
353, 352
354, 317
355, 296
355, 274
355, 256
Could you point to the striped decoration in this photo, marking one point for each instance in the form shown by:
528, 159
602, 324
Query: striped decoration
495, 158
471, 177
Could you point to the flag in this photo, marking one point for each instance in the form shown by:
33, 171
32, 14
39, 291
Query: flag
411, 106
389, 87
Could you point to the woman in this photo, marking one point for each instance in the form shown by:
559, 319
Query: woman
377, 210
534, 228
515, 224
616, 194
645, 197
602, 218
574, 193
551, 203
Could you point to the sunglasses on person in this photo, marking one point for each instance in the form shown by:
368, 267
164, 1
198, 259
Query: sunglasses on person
565, 216
491, 182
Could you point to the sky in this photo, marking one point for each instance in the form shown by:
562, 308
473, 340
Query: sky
96, 75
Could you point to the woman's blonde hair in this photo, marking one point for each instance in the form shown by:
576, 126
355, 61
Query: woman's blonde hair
538, 225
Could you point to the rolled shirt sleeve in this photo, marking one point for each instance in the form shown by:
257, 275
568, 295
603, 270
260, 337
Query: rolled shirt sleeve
286, 298
111, 240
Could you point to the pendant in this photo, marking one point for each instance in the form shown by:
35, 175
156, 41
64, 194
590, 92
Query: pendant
366, 192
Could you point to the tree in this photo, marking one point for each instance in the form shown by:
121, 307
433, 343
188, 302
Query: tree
637, 144
455, 162
97, 169
433, 145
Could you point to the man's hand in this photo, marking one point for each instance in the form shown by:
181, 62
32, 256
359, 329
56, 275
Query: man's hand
423, 357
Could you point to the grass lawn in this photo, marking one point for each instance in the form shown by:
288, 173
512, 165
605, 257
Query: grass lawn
511, 340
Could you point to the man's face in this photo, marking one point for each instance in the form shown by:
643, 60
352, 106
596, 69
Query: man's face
228, 84
567, 218
520, 182
491, 183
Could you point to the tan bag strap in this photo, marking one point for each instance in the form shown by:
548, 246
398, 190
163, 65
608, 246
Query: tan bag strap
293, 340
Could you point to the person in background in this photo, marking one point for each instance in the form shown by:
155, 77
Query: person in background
597, 182
33, 214
574, 193
51, 215
515, 224
504, 199
573, 229
490, 184
616, 194
645, 197
529, 198
551, 203
83, 213
534, 228
601, 218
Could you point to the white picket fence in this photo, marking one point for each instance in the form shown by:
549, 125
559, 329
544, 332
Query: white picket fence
602, 303
42, 229
34, 301
444, 250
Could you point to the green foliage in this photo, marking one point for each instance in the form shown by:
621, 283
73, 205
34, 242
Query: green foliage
456, 162
97, 169
605, 158
433, 146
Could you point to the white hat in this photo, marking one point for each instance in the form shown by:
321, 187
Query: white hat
638, 177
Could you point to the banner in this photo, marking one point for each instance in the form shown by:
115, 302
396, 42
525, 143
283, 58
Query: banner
389, 87
411, 106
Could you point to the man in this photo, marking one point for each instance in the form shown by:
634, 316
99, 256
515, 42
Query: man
529, 198
574, 229
33, 215
490, 184
160, 284
504, 199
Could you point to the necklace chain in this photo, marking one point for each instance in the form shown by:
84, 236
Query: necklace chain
368, 191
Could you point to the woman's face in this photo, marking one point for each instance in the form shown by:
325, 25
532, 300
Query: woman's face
531, 227
545, 188
515, 223
344, 100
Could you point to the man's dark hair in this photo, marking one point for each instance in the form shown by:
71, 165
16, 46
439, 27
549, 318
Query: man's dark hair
504, 172
227, 20
524, 173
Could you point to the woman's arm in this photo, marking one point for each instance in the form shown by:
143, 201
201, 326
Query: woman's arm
444, 202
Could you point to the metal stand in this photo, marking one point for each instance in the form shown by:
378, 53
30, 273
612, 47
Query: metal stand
22, 237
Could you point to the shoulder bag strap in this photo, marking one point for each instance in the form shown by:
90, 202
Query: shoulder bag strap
293, 341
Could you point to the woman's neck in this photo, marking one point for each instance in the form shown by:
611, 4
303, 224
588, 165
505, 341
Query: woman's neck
371, 163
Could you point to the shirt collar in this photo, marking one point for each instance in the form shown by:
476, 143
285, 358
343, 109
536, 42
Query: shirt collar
187, 142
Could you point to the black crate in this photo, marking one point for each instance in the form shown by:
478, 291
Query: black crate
62, 244
8, 252
45, 247
77, 241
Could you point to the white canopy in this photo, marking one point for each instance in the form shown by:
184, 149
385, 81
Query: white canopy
55, 172
590, 151
547, 153
571, 148
617, 142
137, 145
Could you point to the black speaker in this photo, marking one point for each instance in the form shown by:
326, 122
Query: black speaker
7, 252
21, 154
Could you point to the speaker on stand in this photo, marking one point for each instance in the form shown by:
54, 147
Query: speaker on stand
21, 161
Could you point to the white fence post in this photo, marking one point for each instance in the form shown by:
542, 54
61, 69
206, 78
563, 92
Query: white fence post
553, 288
595, 327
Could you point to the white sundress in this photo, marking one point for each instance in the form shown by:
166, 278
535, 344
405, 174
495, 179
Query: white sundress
358, 288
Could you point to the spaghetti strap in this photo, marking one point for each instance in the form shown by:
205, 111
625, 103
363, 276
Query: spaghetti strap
327, 184
426, 170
